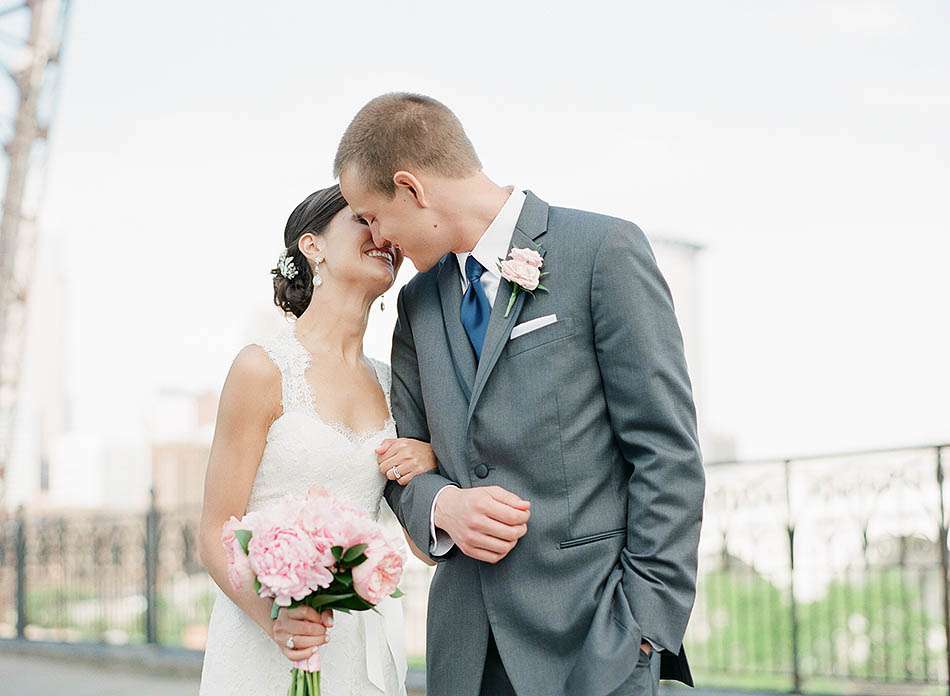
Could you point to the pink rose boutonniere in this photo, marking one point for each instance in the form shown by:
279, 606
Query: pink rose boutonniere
522, 269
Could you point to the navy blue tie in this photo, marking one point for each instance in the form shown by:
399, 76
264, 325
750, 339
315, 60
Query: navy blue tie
475, 307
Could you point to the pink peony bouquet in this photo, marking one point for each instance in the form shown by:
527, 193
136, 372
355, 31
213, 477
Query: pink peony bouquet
317, 552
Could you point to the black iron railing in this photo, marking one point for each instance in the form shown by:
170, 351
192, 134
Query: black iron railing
825, 572
113, 578
820, 573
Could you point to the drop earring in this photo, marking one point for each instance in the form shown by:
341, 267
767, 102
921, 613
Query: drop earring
317, 279
382, 303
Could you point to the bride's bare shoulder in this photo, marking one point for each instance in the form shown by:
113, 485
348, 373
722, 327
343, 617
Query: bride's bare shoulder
252, 389
253, 368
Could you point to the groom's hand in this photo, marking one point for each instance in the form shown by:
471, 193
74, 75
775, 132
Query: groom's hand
484, 522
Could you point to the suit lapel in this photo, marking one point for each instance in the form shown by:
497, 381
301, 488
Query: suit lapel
532, 223
450, 294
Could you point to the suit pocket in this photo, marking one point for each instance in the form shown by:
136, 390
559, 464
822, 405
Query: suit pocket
591, 538
643, 659
562, 328
526, 327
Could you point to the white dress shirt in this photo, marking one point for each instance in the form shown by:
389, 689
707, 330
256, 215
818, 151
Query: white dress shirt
491, 246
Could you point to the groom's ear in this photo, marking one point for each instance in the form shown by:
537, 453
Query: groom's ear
407, 181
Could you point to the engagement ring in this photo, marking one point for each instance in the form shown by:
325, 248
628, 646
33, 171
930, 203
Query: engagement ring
396, 472
290, 643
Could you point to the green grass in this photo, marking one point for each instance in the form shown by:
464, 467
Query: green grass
174, 619
873, 629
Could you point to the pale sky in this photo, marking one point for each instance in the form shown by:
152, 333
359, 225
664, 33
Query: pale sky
805, 144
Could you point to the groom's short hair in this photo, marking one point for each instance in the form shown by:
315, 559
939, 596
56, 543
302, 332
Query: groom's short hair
401, 130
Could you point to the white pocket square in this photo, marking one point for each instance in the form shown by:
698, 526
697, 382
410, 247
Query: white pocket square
532, 325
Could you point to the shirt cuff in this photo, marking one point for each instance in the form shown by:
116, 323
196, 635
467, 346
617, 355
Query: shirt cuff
441, 543
656, 648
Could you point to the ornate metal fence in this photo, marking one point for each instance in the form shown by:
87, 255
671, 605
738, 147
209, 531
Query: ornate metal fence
822, 570
104, 577
818, 573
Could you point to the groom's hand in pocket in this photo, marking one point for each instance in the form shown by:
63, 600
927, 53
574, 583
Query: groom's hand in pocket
484, 522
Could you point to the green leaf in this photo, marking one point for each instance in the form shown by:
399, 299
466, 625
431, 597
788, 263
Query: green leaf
355, 603
356, 561
345, 580
337, 588
274, 610
257, 586
337, 552
243, 537
541, 287
511, 300
321, 600
354, 552
398, 593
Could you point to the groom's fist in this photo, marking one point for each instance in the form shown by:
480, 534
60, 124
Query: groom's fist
484, 522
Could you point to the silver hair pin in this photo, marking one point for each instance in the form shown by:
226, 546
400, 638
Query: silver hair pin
285, 265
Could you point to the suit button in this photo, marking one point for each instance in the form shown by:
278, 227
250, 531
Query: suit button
481, 471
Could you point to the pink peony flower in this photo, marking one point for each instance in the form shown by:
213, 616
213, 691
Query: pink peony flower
343, 525
350, 529
521, 273
376, 578
239, 568
315, 518
527, 256
287, 563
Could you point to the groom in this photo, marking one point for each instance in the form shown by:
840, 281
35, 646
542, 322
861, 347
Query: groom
565, 512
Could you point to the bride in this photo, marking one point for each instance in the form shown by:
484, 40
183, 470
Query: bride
308, 407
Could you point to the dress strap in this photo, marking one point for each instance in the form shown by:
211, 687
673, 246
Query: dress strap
292, 359
384, 374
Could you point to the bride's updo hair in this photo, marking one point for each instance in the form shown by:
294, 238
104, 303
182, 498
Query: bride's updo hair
312, 215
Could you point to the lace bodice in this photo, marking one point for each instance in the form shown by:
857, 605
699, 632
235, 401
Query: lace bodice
366, 656
304, 449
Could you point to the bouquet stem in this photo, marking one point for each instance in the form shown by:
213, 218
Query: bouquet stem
304, 683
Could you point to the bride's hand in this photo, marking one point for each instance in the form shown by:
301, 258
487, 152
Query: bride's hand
309, 628
406, 457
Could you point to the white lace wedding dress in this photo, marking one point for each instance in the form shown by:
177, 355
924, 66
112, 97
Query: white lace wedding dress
365, 655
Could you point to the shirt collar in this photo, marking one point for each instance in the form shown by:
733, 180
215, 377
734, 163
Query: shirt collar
493, 244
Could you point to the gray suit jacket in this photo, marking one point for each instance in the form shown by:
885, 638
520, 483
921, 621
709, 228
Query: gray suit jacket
590, 418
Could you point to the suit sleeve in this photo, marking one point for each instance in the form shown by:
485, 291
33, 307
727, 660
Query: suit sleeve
649, 398
412, 503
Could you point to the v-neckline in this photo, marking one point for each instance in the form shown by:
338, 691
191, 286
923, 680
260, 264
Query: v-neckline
356, 437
